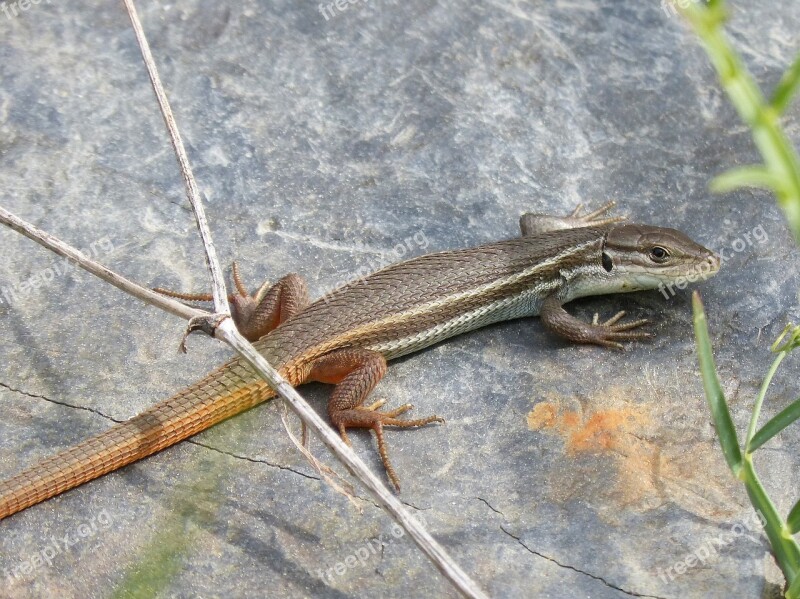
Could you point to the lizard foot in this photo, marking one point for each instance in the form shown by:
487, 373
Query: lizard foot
533, 224
609, 333
207, 297
593, 219
368, 417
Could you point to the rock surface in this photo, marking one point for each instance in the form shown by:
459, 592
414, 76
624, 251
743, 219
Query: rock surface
325, 143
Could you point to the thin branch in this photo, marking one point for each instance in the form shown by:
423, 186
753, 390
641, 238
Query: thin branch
387, 500
192, 191
331, 477
62, 249
226, 331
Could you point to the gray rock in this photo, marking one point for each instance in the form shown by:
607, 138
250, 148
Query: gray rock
322, 144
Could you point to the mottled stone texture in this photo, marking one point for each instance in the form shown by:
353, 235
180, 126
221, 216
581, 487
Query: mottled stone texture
322, 144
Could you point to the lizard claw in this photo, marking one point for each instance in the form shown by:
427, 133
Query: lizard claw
373, 406
207, 297
368, 417
593, 219
609, 333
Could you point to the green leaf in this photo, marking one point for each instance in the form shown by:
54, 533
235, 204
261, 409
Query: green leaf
714, 393
787, 87
794, 589
791, 344
784, 548
755, 175
776, 425
793, 521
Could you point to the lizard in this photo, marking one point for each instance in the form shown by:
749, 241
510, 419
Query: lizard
346, 338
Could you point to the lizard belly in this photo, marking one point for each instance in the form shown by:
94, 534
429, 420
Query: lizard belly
526, 303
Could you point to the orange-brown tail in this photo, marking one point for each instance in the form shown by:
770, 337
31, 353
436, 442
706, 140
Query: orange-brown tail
226, 391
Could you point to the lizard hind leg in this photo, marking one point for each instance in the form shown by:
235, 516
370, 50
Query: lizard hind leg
355, 372
256, 315
532, 223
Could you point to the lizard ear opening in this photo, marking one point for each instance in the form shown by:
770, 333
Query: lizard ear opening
608, 263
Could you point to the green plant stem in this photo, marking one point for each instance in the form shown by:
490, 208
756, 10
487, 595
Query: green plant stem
751, 430
780, 173
787, 87
785, 548
794, 589
780, 157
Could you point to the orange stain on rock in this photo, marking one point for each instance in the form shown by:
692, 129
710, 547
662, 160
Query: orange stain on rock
542, 416
602, 430
644, 463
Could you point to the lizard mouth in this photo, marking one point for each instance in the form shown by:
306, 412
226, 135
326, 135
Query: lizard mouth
715, 261
680, 276
706, 268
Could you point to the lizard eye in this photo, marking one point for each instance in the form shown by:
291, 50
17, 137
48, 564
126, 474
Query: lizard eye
658, 254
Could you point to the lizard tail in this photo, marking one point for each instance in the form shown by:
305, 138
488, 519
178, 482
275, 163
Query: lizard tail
228, 390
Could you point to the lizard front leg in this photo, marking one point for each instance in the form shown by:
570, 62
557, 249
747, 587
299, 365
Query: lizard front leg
532, 223
609, 334
355, 372
256, 315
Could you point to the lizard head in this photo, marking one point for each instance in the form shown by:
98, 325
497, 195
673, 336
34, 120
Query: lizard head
645, 257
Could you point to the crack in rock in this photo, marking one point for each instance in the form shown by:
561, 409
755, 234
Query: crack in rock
489, 505
249, 459
415, 507
59, 403
192, 441
574, 569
